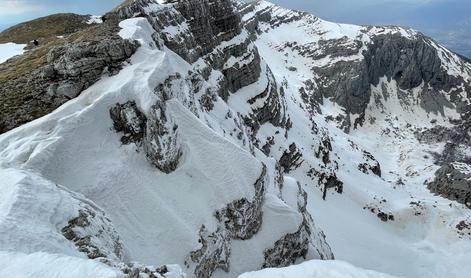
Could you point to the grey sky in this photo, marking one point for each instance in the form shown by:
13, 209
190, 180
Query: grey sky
448, 21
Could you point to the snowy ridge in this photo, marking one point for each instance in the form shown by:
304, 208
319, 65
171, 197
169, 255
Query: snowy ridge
242, 137
77, 132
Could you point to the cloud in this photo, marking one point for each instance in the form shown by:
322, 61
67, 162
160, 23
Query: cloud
18, 7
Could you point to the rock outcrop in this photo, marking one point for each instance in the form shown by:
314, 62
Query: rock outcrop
156, 133
93, 234
76, 66
370, 164
128, 119
291, 247
291, 158
453, 181
348, 83
161, 142
239, 220
214, 253
243, 218
456, 139
45, 78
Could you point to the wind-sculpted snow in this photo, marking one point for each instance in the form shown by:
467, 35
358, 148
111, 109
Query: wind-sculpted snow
162, 111
317, 269
245, 136
40, 216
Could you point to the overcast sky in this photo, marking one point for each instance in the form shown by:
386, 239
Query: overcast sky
448, 21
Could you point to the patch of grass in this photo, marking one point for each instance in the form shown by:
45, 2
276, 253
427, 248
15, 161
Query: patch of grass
45, 29
23, 90
26, 63
36, 57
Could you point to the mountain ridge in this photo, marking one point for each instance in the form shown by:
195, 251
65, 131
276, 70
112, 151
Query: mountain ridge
231, 137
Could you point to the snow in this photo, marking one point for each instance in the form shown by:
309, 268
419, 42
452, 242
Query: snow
317, 269
422, 241
53, 166
137, 29
75, 147
9, 50
40, 264
24, 231
95, 19
462, 167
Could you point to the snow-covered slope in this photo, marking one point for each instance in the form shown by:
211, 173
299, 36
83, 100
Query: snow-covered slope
9, 50
247, 136
321, 63
317, 269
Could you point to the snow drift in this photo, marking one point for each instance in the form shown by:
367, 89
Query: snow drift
239, 137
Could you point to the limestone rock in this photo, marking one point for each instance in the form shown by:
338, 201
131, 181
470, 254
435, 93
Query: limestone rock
214, 253
453, 181
291, 158
456, 139
161, 140
243, 218
93, 234
370, 164
58, 73
288, 249
127, 118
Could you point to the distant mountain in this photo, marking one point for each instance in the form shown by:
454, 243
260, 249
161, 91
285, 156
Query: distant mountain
213, 138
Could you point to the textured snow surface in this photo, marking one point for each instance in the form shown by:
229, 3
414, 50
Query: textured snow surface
9, 50
76, 147
40, 264
31, 210
52, 166
422, 240
20, 265
317, 269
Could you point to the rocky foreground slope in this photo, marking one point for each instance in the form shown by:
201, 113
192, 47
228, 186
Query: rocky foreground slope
214, 138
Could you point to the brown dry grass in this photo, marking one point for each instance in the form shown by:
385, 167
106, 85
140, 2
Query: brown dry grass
44, 29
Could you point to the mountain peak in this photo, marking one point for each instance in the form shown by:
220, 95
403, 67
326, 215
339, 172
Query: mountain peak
213, 138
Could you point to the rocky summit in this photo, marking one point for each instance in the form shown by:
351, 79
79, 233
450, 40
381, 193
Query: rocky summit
212, 138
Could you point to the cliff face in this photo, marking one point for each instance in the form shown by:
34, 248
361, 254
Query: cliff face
346, 61
227, 137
